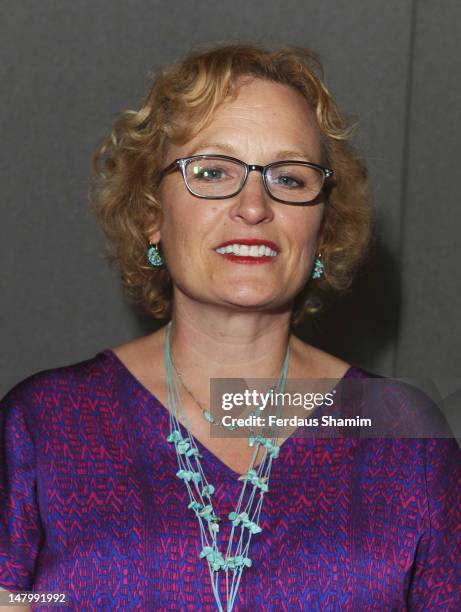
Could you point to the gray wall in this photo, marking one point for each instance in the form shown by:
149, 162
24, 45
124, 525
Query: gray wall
69, 66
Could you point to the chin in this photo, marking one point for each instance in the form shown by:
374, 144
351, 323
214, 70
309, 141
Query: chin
246, 300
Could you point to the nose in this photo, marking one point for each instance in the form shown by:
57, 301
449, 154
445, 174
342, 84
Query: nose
253, 204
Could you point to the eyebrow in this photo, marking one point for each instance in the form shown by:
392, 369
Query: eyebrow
229, 149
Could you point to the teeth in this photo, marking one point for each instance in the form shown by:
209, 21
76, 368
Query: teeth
247, 251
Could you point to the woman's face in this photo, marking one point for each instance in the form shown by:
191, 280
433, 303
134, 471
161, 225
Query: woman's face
266, 122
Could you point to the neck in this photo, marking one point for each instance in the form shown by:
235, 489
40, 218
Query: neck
227, 343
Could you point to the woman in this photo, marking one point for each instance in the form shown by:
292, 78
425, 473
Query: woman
234, 205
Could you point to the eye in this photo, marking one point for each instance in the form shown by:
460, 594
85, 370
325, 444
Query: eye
208, 173
288, 181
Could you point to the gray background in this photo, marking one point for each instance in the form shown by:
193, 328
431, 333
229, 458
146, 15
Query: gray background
69, 66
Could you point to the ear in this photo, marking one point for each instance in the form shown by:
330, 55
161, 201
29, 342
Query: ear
154, 236
152, 231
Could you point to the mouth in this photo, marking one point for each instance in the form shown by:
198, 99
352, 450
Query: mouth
248, 249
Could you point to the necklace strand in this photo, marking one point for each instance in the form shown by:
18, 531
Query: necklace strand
200, 491
207, 415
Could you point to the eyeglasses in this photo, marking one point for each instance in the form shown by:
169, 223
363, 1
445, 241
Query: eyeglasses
215, 177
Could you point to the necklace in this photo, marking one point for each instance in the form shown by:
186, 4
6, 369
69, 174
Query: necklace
255, 483
208, 416
205, 413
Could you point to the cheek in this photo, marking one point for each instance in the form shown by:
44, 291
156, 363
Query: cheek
305, 228
186, 228
173, 232
176, 240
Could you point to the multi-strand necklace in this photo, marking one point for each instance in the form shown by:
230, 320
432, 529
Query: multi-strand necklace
255, 483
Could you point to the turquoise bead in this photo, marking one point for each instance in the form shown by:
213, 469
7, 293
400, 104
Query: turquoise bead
205, 551
194, 505
209, 417
207, 510
174, 436
183, 446
188, 475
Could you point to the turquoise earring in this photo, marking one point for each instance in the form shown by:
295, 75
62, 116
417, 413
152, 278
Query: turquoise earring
153, 256
318, 267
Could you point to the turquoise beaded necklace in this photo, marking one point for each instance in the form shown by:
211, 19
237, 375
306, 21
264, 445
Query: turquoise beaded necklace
245, 517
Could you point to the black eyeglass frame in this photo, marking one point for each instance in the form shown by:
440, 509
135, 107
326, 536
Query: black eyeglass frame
182, 162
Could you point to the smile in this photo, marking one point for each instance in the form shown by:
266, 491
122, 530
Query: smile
245, 250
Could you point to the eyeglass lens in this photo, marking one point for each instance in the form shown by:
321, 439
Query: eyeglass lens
222, 178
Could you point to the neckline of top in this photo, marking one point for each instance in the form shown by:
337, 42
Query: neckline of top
125, 371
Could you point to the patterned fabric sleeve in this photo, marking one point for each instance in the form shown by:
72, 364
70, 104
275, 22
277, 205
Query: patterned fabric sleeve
20, 525
436, 582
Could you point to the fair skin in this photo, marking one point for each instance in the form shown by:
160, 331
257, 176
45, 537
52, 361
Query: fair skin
231, 320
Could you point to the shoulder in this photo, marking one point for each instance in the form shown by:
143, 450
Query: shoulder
46, 389
142, 358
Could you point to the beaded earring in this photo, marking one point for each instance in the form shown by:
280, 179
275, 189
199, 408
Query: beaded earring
153, 256
318, 267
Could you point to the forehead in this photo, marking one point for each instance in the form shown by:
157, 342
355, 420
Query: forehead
260, 118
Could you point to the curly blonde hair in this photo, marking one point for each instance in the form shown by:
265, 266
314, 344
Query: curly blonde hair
181, 100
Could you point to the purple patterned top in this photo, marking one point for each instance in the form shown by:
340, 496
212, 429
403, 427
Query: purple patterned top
90, 505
